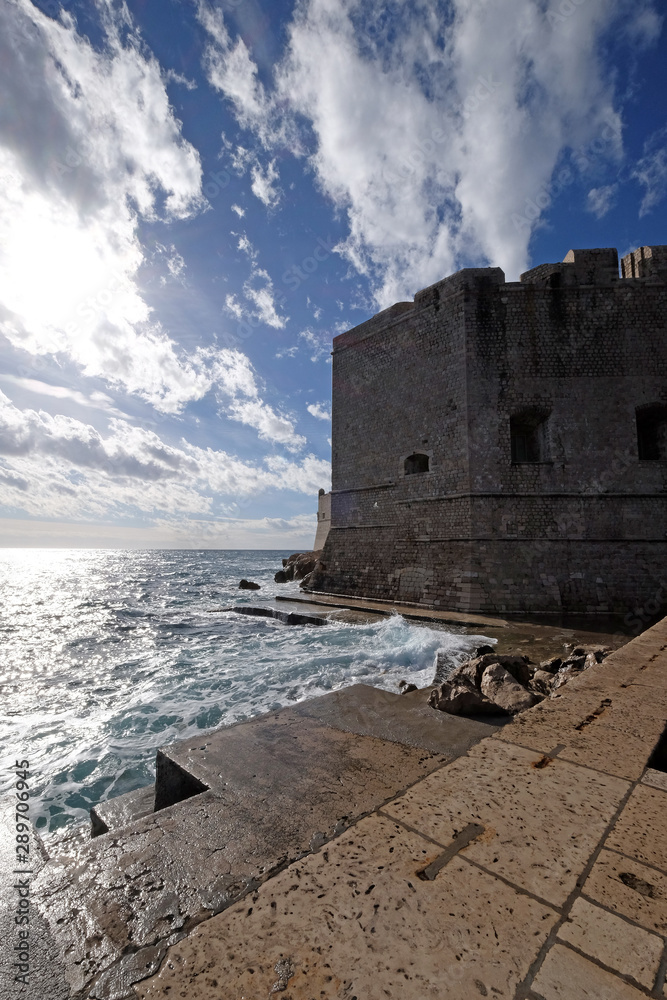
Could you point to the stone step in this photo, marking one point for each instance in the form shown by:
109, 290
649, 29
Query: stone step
234, 807
122, 810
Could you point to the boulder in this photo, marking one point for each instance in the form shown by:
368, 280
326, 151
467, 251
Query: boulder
519, 667
249, 585
542, 682
481, 650
461, 698
297, 566
309, 580
406, 688
501, 688
552, 665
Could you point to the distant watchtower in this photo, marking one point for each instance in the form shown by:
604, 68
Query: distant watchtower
502, 446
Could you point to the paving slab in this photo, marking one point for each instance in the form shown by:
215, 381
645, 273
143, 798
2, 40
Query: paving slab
553, 722
656, 779
541, 823
565, 975
355, 920
629, 888
234, 806
614, 942
641, 831
616, 742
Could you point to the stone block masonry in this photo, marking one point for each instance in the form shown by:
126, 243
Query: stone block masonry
501, 447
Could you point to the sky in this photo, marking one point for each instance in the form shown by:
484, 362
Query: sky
196, 196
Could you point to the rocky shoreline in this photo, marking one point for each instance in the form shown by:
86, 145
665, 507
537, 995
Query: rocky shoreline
495, 684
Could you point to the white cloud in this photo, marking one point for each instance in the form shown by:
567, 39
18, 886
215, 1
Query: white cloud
96, 400
287, 352
270, 426
258, 289
320, 410
319, 344
56, 466
440, 139
231, 71
69, 208
601, 200
263, 298
239, 211
651, 172
264, 184
233, 306
235, 378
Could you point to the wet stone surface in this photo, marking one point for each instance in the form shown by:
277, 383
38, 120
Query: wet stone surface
277, 787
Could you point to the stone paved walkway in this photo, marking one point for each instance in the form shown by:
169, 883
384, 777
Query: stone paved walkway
533, 867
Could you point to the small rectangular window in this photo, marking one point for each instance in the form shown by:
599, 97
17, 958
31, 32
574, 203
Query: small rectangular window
652, 433
528, 437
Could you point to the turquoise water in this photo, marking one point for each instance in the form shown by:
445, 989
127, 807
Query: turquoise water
108, 655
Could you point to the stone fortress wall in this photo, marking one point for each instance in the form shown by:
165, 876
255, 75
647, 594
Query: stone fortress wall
502, 446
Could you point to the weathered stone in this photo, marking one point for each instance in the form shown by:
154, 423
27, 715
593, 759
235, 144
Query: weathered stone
300, 564
542, 823
630, 888
354, 920
249, 585
551, 665
565, 974
280, 577
406, 688
460, 697
542, 682
614, 942
503, 690
519, 667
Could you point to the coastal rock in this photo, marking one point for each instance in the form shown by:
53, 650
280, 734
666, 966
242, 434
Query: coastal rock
519, 667
309, 581
542, 682
460, 697
297, 566
501, 688
405, 687
249, 585
508, 683
481, 650
551, 665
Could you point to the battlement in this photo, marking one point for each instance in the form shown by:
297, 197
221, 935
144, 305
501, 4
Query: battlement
646, 262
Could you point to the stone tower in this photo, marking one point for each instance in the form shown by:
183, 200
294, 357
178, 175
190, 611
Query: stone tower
502, 446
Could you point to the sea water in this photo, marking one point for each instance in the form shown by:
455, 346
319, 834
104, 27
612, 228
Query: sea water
107, 655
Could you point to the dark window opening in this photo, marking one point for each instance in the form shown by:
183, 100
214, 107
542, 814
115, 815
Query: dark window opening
652, 433
416, 463
528, 437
